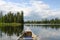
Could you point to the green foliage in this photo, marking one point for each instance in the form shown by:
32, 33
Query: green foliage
12, 18
46, 21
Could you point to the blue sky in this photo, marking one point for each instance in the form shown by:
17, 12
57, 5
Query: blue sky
33, 9
54, 4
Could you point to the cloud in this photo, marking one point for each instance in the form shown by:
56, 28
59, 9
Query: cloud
9, 6
54, 33
32, 9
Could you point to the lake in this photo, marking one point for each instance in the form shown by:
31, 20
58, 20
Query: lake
43, 32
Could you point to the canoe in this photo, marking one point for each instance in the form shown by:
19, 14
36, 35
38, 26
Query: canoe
27, 35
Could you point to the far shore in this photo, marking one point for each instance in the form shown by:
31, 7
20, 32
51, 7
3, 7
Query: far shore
19, 24
42, 24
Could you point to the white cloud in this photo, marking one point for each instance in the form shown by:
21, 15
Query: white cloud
9, 6
33, 6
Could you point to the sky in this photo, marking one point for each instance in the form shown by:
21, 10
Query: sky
33, 9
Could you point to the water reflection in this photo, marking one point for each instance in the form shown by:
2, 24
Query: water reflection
46, 26
43, 32
0, 33
10, 30
46, 32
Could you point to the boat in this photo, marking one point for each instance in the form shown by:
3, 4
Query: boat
27, 35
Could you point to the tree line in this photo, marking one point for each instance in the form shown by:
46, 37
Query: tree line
46, 21
12, 17
18, 18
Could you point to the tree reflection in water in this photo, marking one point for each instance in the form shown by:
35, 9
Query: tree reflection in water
47, 26
10, 30
52, 26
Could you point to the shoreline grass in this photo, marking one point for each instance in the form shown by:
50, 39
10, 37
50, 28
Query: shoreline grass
10, 24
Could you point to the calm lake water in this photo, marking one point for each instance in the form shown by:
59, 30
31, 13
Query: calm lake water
43, 32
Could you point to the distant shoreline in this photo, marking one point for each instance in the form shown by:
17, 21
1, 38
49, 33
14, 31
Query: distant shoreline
42, 24
33, 24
